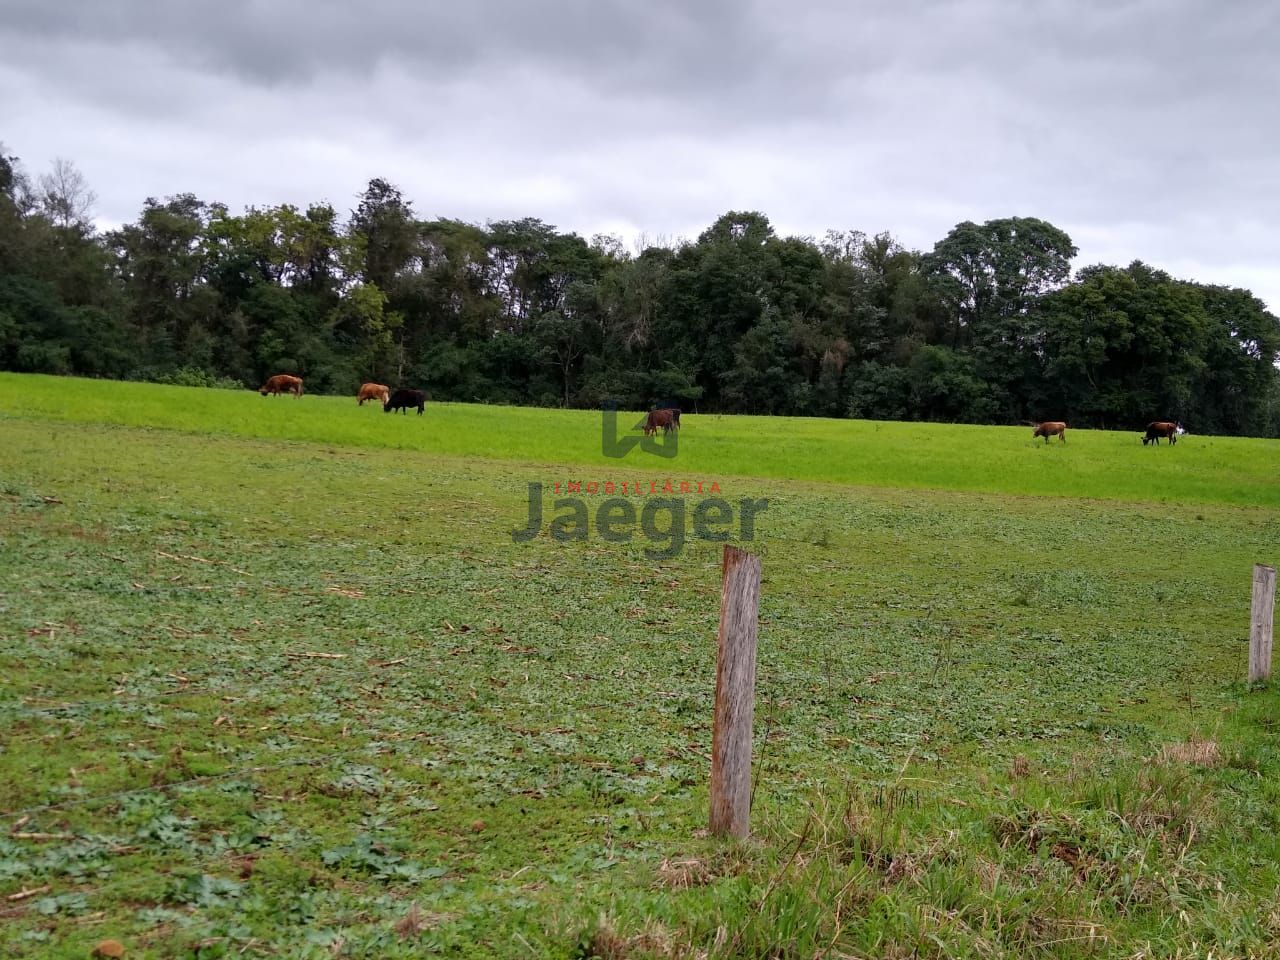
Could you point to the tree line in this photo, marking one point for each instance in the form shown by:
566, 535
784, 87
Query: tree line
989, 326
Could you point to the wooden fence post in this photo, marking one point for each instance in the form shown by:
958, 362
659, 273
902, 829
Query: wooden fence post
1260, 622
735, 694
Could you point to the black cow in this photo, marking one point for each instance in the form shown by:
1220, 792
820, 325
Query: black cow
402, 400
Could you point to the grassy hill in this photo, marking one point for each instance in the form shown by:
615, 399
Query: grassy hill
1094, 464
276, 680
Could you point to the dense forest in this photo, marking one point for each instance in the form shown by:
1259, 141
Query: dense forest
987, 327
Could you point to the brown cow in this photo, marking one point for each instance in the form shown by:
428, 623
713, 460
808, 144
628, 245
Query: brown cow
282, 383
668, 419
1162, 428
373, 391
1049, 429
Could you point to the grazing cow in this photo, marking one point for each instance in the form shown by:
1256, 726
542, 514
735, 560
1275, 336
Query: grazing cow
668, 419
402, 400
1049, 429
1162, 428
282, 383
373, 391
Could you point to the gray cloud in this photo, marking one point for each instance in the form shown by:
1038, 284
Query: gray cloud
666, 44
1143, 128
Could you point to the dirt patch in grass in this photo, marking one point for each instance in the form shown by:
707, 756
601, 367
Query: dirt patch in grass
1193, 752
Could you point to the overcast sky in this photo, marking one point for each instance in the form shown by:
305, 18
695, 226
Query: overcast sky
1146, 129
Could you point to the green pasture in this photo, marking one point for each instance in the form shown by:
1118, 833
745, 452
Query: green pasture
1092, 464
276, 681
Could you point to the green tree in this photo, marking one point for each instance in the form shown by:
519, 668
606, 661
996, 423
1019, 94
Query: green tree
985, 327
160, 262
385, 234
990, 276
1124, 346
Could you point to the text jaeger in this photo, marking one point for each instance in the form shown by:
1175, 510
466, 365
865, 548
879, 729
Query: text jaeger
661, 521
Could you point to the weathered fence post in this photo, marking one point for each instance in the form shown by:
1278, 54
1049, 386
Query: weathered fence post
1260, 622
735, 694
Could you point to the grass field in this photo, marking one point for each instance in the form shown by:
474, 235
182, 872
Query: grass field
1110, 466
276, 681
